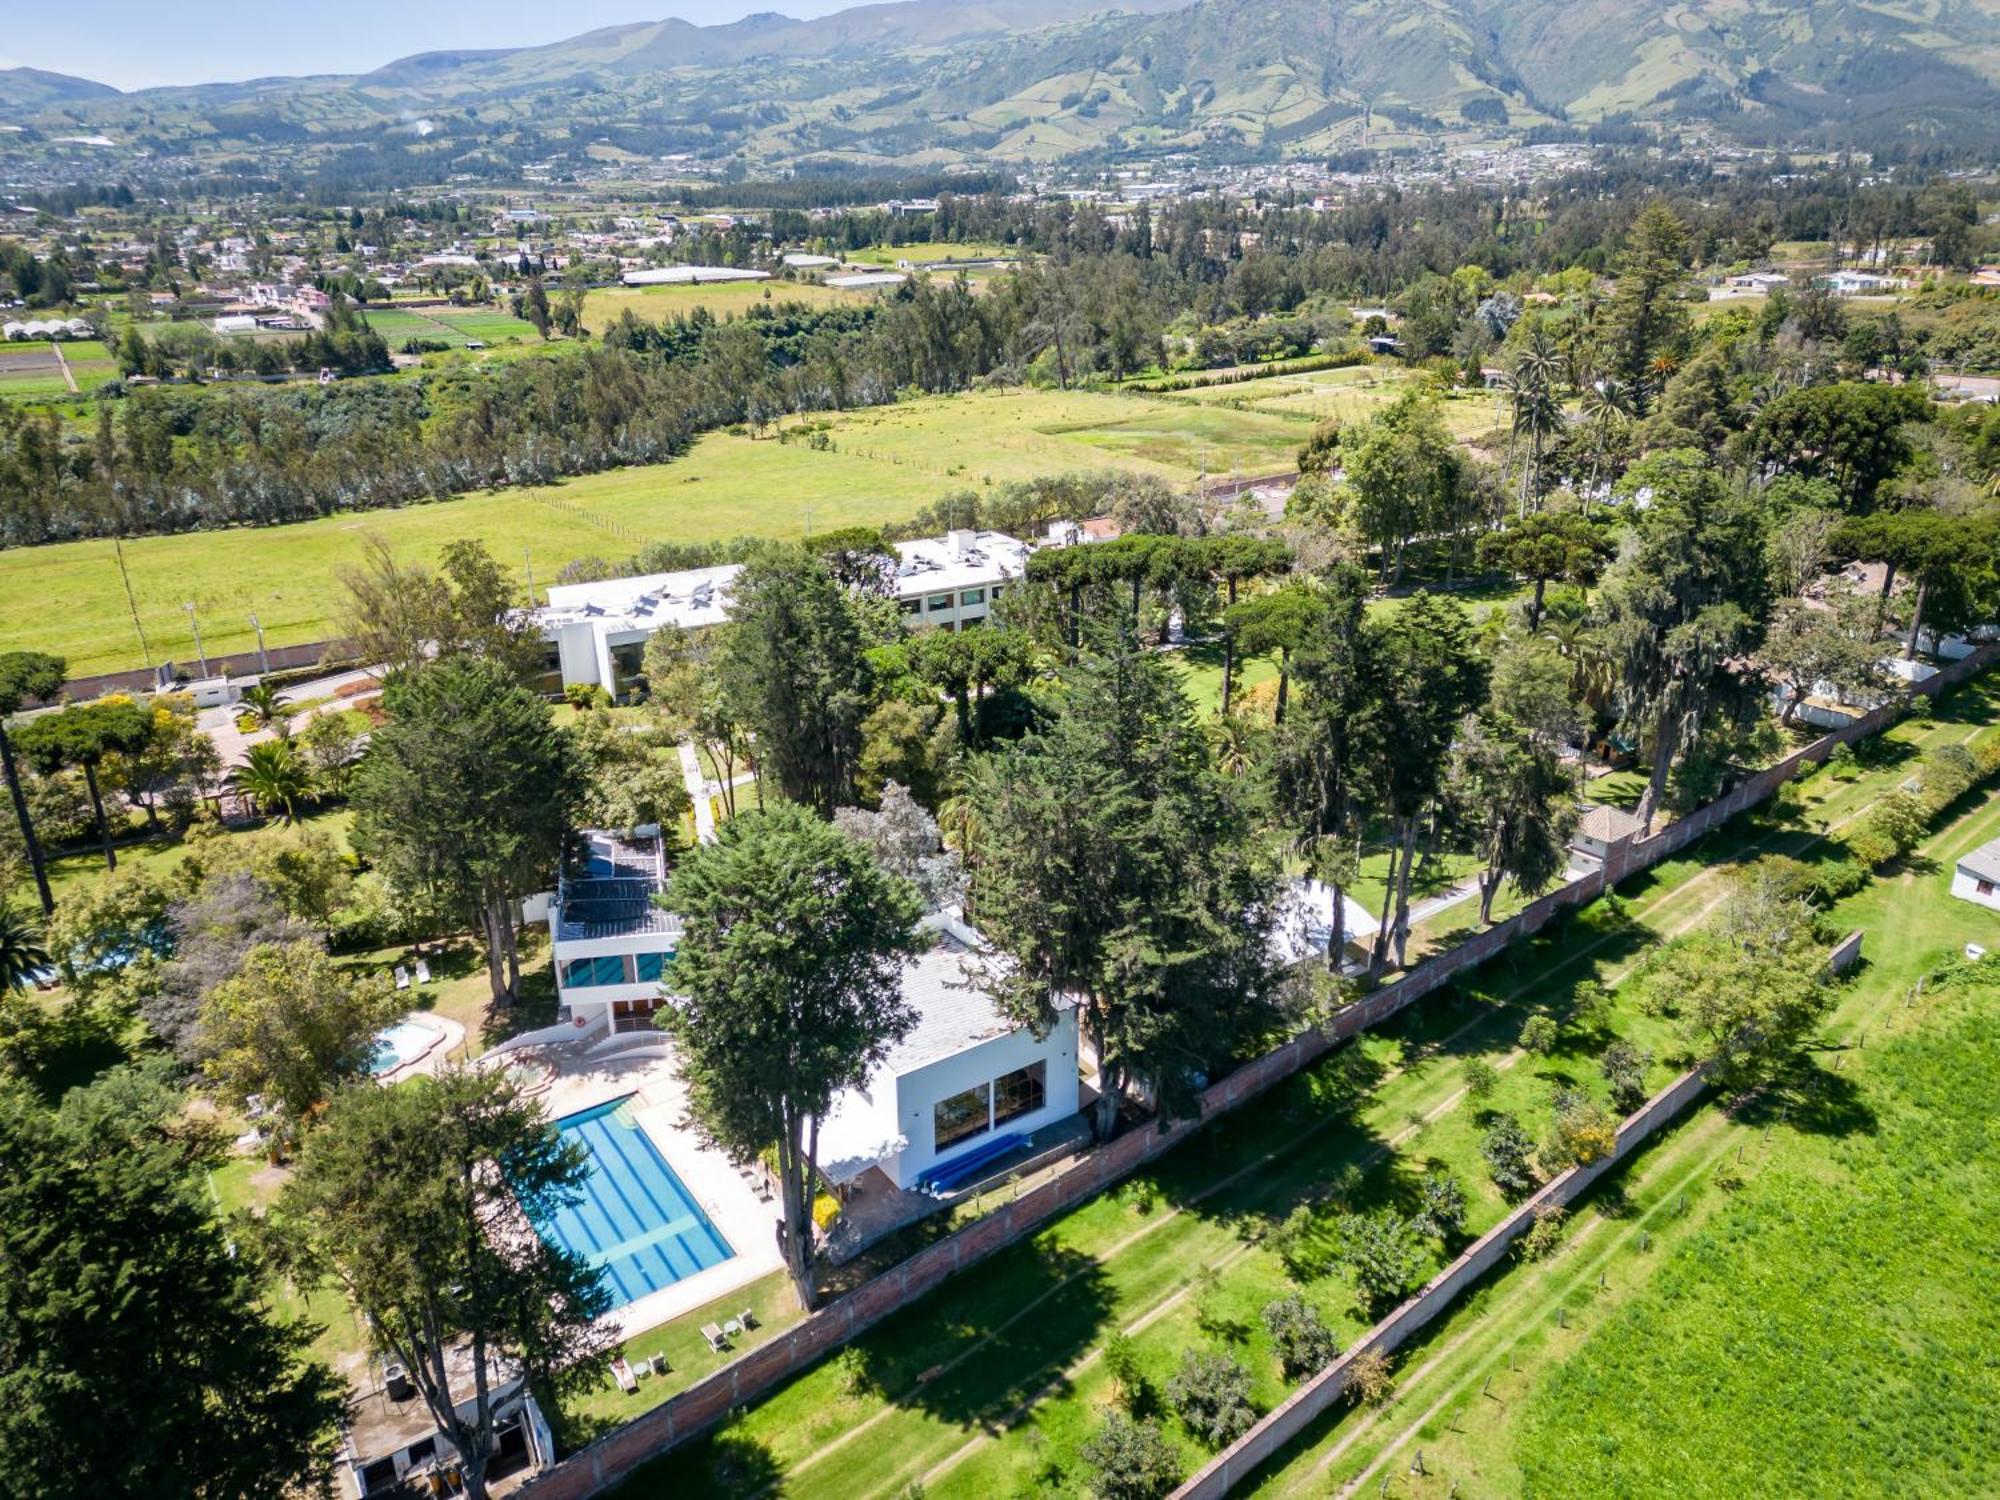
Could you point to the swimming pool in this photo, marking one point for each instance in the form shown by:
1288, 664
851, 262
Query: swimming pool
404, 1042
635, 1219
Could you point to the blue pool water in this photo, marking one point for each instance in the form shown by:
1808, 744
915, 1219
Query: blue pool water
400, 1044
635, 1219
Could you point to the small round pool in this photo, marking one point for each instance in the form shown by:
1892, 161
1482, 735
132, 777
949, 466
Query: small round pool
400, 1045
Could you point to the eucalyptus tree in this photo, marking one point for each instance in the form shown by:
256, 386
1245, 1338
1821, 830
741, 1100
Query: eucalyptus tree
1519, 801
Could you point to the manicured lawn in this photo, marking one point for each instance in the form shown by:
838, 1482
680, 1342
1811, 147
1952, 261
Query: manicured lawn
884, 464
992, 1384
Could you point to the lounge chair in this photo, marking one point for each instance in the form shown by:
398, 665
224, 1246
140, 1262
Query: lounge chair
402, 977
659, 1364
622, 1373
716, 1342
423, 972
747, 1318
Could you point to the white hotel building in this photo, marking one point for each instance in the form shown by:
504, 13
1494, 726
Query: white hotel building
596, 632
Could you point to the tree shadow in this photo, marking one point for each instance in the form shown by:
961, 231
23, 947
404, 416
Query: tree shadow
1817, 1099
980, 1346
727, 1461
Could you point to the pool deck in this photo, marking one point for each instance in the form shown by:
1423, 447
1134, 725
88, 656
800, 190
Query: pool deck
659, 1102
450, 1036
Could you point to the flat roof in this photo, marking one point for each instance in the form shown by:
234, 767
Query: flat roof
958, 559
689, 598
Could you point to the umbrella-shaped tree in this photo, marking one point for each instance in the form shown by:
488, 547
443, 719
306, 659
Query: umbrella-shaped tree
81, 736
25, 675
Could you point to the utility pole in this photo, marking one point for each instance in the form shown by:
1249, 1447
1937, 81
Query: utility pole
195, 626
263, 657
528, 557
118, 551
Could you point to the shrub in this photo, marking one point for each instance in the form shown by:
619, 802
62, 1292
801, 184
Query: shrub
1538, 1036
1508, 1152
1590, 1005
1897, 823
1121, 1358
1624, 1068
1211, 1393
1481, 1079
1584, 1132
1369, 1379
1130, 1460
1299, 1334
1384, 1255
1442, 1196
583, 696
1544, 1237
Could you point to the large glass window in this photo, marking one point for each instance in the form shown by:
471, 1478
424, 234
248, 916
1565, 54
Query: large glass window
939, 602
972, 596
1020, 1092
583, 973
961, 1117
648, 968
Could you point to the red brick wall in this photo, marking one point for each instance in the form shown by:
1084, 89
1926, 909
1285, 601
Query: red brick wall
598, 1467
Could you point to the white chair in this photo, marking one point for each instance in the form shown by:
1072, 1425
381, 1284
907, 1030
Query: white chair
402, 977
423, 972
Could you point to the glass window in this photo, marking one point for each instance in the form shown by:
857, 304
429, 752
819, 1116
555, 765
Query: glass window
973, 596
913, 606
940, 601
960, 1117
1021, 1092
999, 589
584, 973
649, 967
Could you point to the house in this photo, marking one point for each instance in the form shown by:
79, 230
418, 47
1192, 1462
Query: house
964, 1089
1977, 878
1305, 923
800, 260
854, 281
1859, 284
1601, 828
596, 632
610, 942
392, 1447
1760, 281
953, 581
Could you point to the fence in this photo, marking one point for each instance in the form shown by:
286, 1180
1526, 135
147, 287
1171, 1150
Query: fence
594, 1469
234, 663
1298, 1411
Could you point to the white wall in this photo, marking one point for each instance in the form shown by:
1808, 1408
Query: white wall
1965, 886
918, 1092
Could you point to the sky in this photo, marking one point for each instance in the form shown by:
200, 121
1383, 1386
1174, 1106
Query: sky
140, 43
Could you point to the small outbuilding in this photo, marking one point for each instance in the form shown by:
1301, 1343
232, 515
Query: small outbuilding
1977, 878
1602, 827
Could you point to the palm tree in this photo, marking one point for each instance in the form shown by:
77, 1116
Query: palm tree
1236, 739
1606, 410
263, 703
21, 952
274, 776
1534, 384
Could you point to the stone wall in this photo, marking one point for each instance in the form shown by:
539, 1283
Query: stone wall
604, 1463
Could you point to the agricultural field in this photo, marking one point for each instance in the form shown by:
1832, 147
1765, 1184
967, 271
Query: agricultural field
1351, 394
604, 306
882, 464
37, 371
1714, 1325
453, 326
993, 1384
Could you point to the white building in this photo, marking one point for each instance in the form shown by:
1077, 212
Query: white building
611, 943
392, 1447
953, 580
690, 275
963, 1090
1977, 878
596, 632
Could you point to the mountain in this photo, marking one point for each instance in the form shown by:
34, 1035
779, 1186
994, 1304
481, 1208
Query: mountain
929, 83
31, 88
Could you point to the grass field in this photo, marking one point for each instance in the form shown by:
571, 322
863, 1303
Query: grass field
1704, 1330
601, 308
991, 1385
36, 370
884, 464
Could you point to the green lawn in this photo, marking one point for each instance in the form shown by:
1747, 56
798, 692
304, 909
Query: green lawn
884, 464
1697, 1286
603, 307
991, 1385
